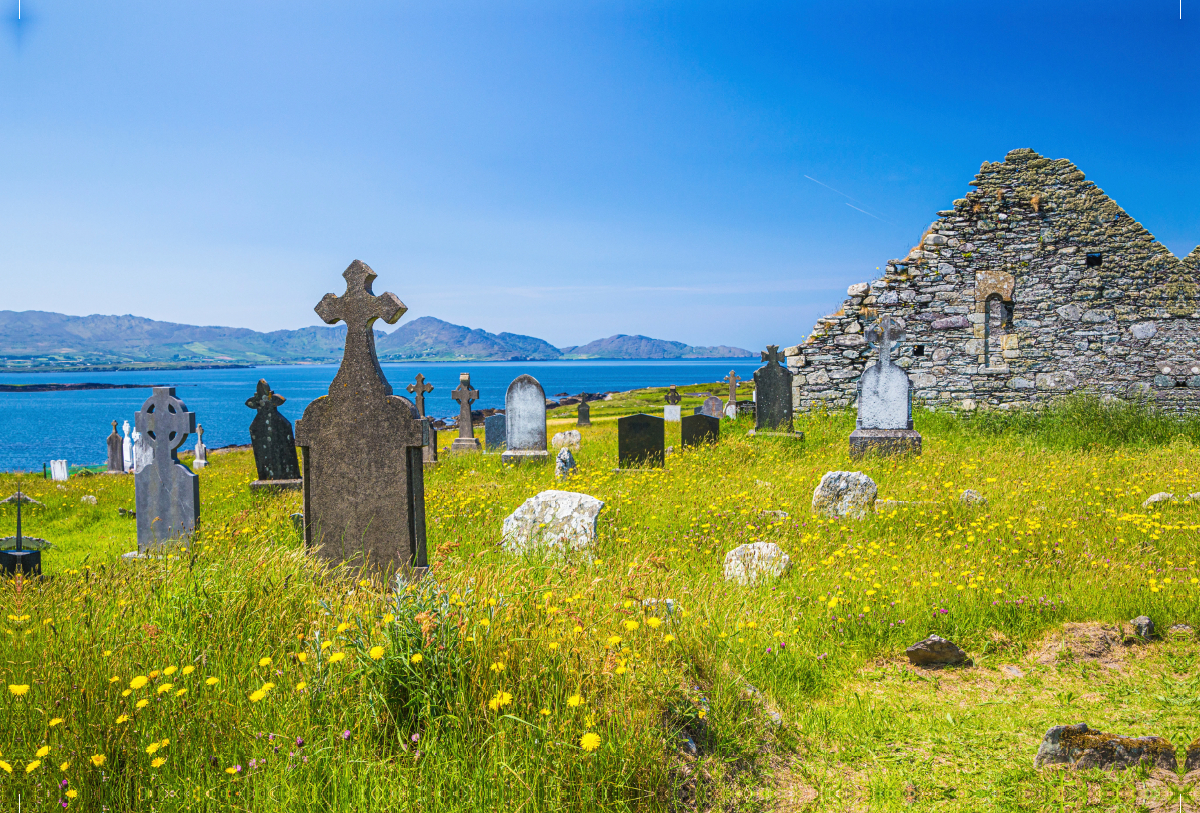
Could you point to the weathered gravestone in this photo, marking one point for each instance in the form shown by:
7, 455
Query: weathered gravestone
696, 430
115, 464
167, 493
364, 487
584, 414
143, 451
525, 421
712, 407
884, 424
201, 453
773, 397
274, 445
58, 470
671, 411
494, 432
429, 438
466, 440
731, 405
127, 448
21, 554
641, 441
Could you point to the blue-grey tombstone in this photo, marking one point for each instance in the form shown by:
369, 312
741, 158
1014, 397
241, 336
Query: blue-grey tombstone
273, 441
525, 421
494, 430
884, 424
167, 492
641, 441
712, 407
115, 464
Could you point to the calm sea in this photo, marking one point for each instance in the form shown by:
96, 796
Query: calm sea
37, 427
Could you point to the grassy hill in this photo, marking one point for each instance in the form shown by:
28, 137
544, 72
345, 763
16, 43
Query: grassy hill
244, 675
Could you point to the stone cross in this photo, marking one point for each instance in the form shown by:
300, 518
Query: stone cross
886, 335
466, 440
772, 354
271, 437
363, 478
115, 462
419, 389
773, 394
672, 396
167, 493
731, 405
201, 458
884, 423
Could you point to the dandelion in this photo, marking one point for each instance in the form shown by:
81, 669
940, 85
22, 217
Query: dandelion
138, 682
4, 766
257, 695
668, 638
126, 693
166, 687
98, 759
631, 625
187, 670
33, 766
71, 794
107, 652
170, 670
326, 645
499, 700
575, 700
19, 690
653, 622
300, 686
388, 618
64, 767
55, 721
181, 692
417, 658
483, 622
113, 679
613, 640
152, 747
337, 656
544, 712
264, 661
376, 653
141, 704
158, 762
589, 741
41, 752
497, 667
212, 681
342, 627
124, 718
232, 770
553, 646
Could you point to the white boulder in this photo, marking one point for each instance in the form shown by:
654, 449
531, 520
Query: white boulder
554, 522
569, 439
747, 564
844, 494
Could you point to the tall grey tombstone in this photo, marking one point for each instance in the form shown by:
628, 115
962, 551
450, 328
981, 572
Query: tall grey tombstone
167, 493
641, 441
273, 442
698, 429
773, 396
712, 407
494, 433
525, 421
465, 396
884, 424
429, 438
143, 451
127, 448
583, 414
115, 463
364, 487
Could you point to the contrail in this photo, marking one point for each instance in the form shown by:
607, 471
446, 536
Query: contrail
868, 214
856, 200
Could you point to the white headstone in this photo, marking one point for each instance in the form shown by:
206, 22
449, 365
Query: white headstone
127, 448
201, 459
525, 421
884, 391
58, 470
671, 412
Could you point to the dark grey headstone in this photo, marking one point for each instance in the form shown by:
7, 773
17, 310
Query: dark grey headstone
525, 420
167, 493
494, 430
641, 441
584, 414
364, 486
429, 442
700, 429
271, 436
116, 462
712, 406
773, 393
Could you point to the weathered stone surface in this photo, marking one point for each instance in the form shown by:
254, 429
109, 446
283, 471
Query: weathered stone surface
570, 439
672, 413
167, 493
525, 420
553, 522
858, 289
271, 436
884, 390
641, 441
115, 463
884, 442
59, 470
844, 494
755, 562
564, 464
696, 430
712, 407
1143, 627
495, 432
364, 492
1082, 748
1144, 330
936, 651
773, 393
950, 323
1160, 497
972, 497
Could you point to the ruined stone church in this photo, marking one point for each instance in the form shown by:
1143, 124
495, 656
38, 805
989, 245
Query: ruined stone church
1033, 285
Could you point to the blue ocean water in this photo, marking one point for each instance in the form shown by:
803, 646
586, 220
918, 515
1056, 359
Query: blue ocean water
37, 427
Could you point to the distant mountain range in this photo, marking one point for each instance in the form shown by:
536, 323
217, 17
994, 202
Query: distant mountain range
39, 340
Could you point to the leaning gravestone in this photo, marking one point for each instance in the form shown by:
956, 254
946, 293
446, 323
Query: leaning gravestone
429, 438
274, 445
884, 424
364, 487
773, 397
584, 414
466, 440
696, 430
200, 460
671, 411
115, 463
525, 421
167, 493
494, 433
641, 441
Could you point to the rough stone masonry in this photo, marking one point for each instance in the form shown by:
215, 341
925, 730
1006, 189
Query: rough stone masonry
1033, 285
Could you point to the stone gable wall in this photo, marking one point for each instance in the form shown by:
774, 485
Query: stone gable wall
1002, 305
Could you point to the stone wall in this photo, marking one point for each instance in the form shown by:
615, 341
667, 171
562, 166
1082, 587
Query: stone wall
1034, 284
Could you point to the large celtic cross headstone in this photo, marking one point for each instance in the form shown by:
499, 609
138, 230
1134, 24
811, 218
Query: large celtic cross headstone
167, 493
884, 422
364, 492
773, 394
466, 440
671, 412
273, 442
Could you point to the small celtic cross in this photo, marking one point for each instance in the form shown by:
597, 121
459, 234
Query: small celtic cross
672, 396
420, 388
464, 395
264, 397
165, 420
732, 379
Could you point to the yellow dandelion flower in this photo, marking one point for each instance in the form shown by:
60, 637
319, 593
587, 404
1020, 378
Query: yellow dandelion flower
589, 741
158, 762
124, 718
126, 693
141, 704
4, 766
71, 794
342, 627
211, 682
388, 618
231, 771
575, 700
155, 674
578, 628
544, 712
138, 682
98, 759
257, 695
64, 767
376, 653
497, 667
613, 640
499, 701
300, 686
19, 689
326, 645
483, 622
151, 748
181, 692
187, 670
631, 625
55, 722
337, 656
166, 687
41, 752
170, 670
553, 646
302, 657
113, 679
107, 652
264, 661
668, 638
33, 766
653, 622
165, 742
417, 657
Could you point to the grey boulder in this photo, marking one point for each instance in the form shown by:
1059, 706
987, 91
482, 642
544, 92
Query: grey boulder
757, 561
1081, 748
564, 464
936, 651
1143, 626
571, 439
558, 523
844, 494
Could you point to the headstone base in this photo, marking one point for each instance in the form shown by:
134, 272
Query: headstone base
277, 485
199, 464
115, 472
884, 442
520, 456
671, 412
583, 423
463, 445
27, 562
767, 433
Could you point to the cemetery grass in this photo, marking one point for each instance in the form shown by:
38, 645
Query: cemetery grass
242, 674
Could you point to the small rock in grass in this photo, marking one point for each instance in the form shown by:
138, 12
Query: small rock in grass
90, 499
936, 651
972, 497
564, 464
844, 494
1081, 748
571, 439
747, 564
1162, 496
1012, 671
1143, 626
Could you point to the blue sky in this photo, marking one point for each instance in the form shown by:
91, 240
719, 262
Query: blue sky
565, 170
